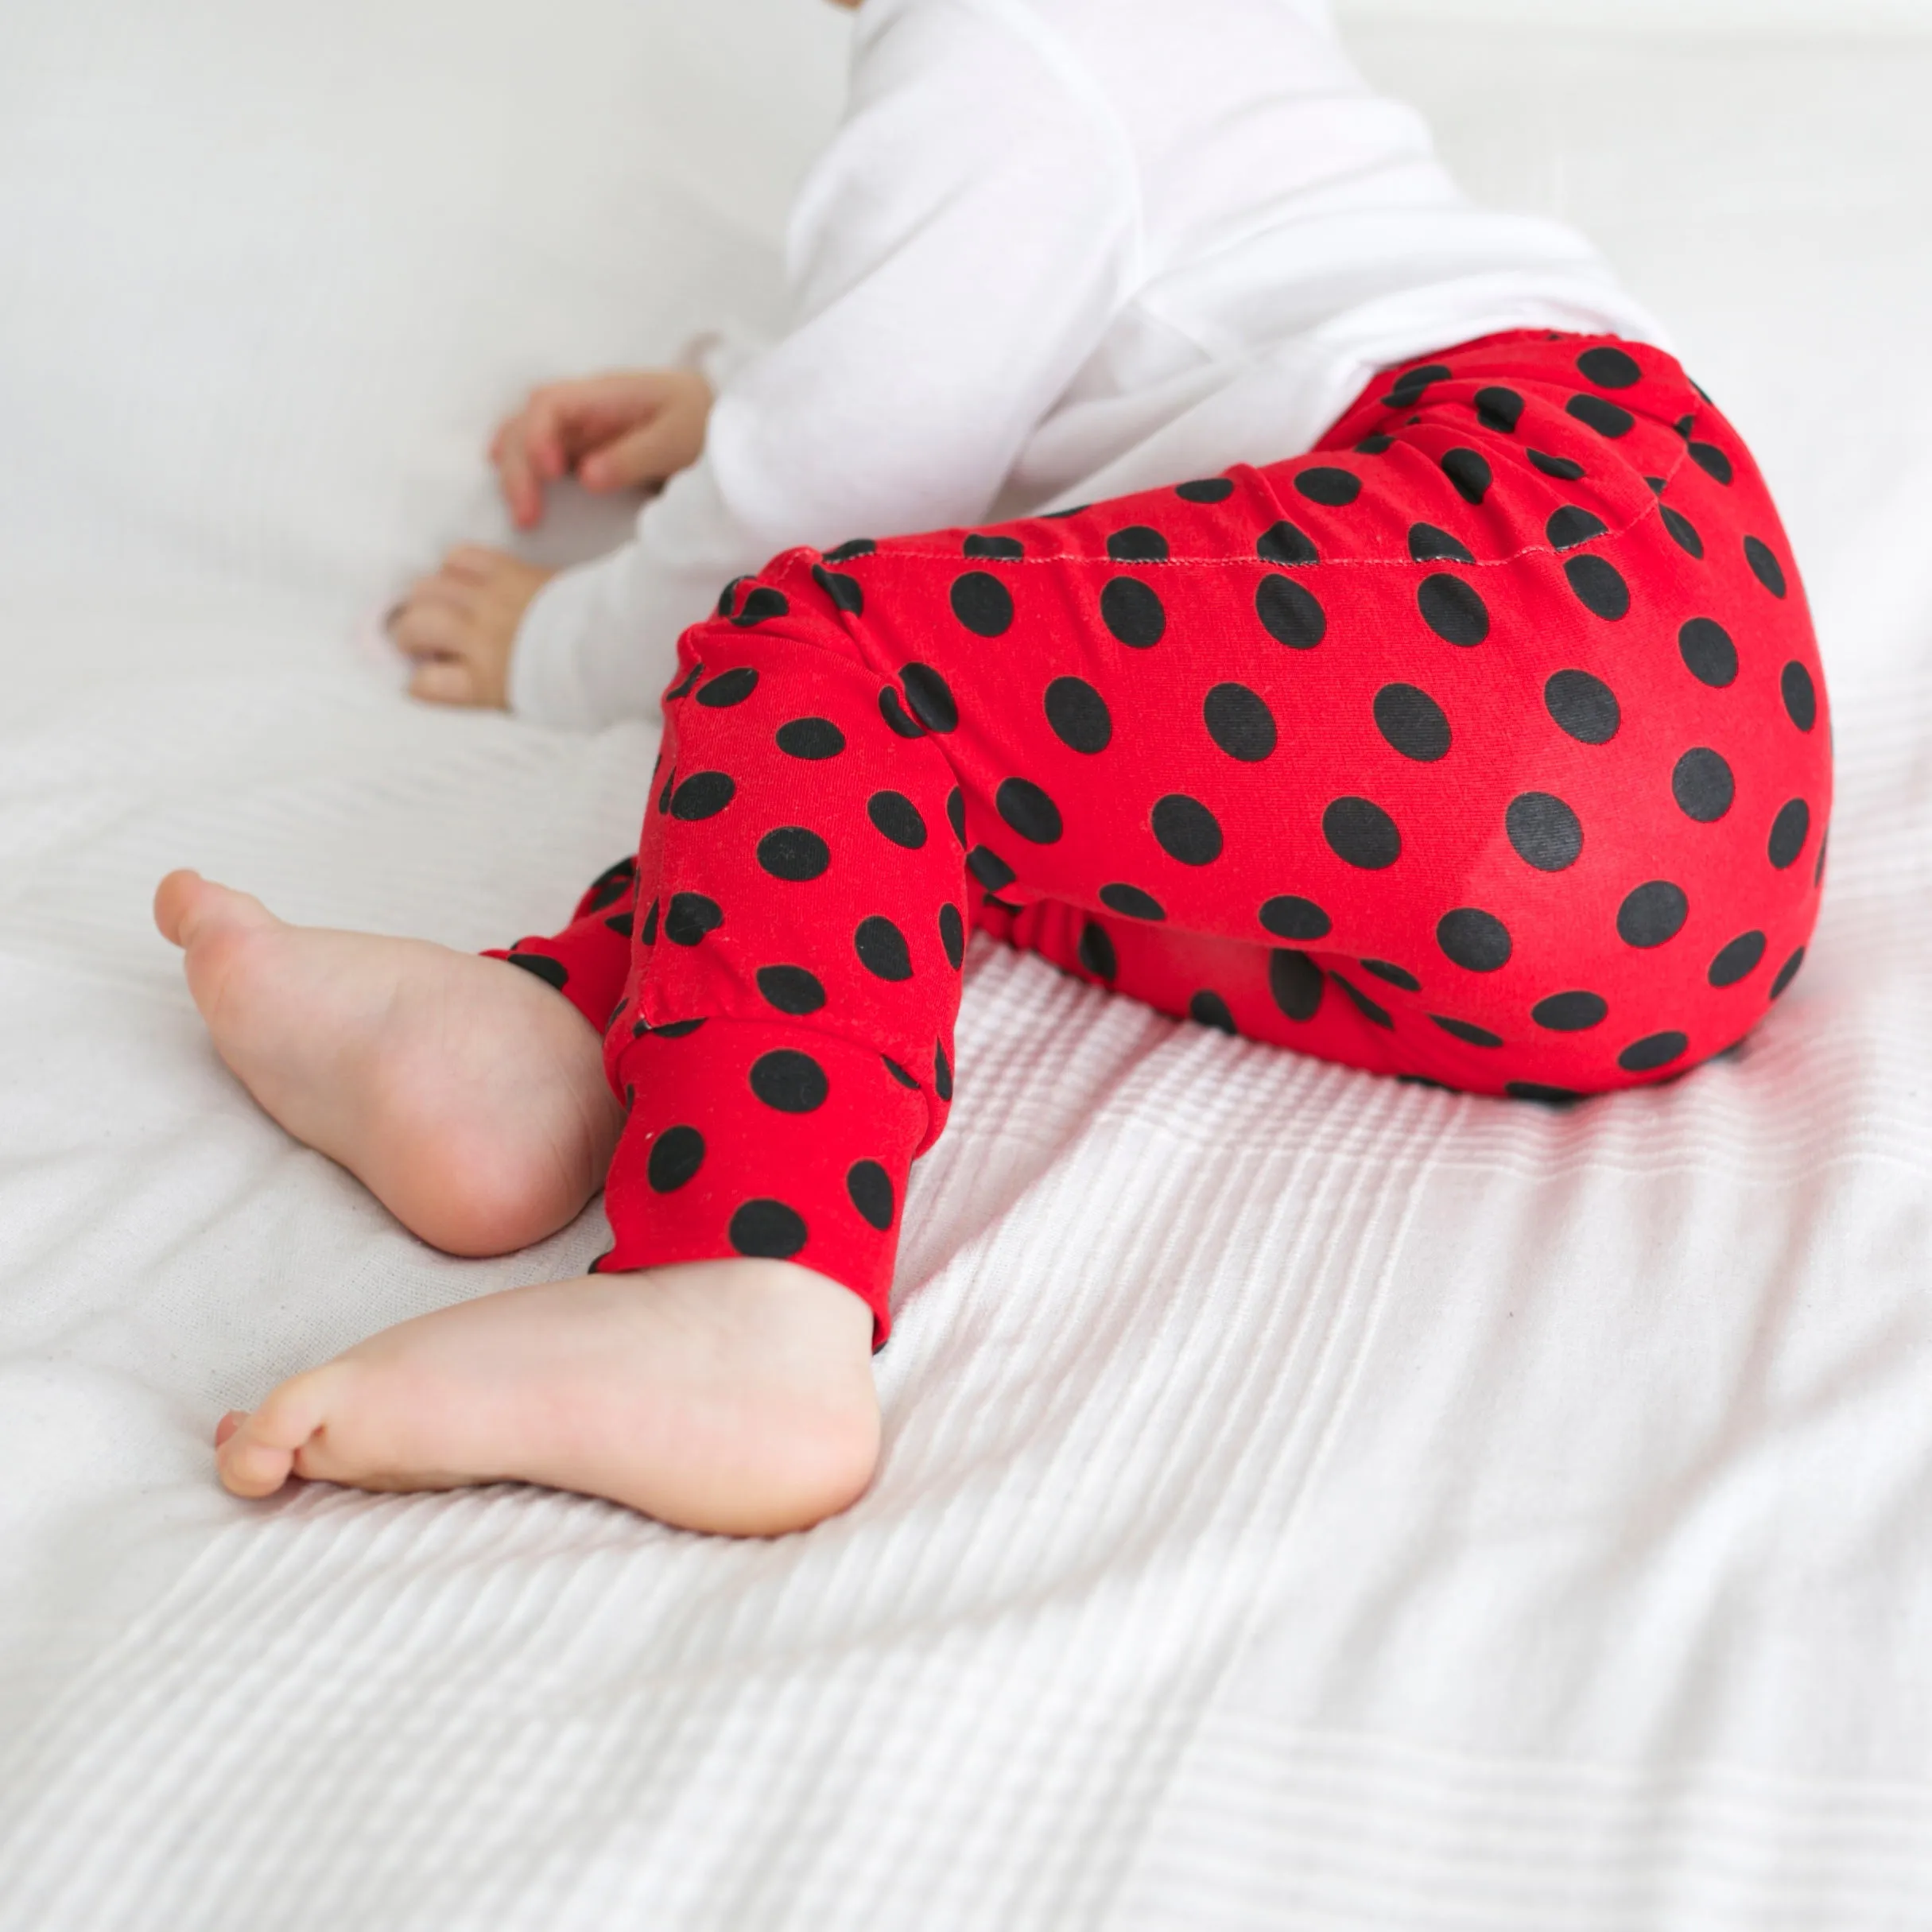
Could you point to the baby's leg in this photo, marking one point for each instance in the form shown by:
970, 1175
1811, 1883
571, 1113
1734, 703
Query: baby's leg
468, 1097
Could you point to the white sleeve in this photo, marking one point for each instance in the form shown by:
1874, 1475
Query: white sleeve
954, 258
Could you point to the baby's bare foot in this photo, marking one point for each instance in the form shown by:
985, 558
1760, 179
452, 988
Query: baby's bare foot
466, 1095
731, 1396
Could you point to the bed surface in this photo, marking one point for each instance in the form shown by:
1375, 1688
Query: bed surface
1308, 1501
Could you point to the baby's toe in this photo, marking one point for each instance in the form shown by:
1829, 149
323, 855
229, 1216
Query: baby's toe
258, 1455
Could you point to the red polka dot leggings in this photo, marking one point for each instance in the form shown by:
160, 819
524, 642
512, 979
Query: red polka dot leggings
1485, 745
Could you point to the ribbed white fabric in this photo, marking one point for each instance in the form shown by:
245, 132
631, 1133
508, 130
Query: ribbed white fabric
1309, 1502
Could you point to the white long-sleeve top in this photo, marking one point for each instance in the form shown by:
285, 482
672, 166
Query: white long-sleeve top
1060, 250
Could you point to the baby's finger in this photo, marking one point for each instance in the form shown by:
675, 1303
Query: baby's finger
469, 565
444, 680
661, 448
431, 628
522, 491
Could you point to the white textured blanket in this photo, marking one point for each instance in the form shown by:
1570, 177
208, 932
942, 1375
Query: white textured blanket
1309, 1502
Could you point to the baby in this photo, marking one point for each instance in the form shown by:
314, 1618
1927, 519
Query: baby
1336, 621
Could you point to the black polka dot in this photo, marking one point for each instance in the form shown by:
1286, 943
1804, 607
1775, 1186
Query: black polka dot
1800, 695
1407, 391
1133, 613
1469, 470
767, 1230
1659, 1050
689, 917
991, 869
648, 931
1702, 784
942, 1072
1600, 587
1713, 461
791, 852
610, 884
1789, 831
1375, 445
676, 1156
1239, 722
620, 924
1547, 1096
1609, 368
1376, 1014
1186, 829
1412, 721
1461, 1030
1764, 565
1683, 532
1290, 613
670, 785
871, 1189
1361, 834
1451, 609
852, 550
982, 604
1007, 549
1476, 941
539, 965
1395, 976
1738, 960
682, 688
931, 700
1707, 650
1206, 490
1131, 902
1545, 831
1295, 982
704, 794
1207, 1008
1079, 715
760, 604
1652, 914
1569, 526
727, 598
953, 935
896, 818
1605, 417
791, 989
1289, 917
729, 688
1137, 545
894, 712
1427, 545
1571, 1012
1565, 469
898, 1073
882, 949
1786, 973
1584, 707
672, 1029
811, 738
789, 1081
1331, 486
1500, 409
956, 814
1096, 951
1029, 811
1282, 543
846, 593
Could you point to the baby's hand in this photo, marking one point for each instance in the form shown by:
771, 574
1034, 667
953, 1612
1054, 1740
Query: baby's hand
459, 625
614, 432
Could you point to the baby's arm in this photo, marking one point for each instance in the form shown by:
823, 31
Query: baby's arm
956, 255
627, 430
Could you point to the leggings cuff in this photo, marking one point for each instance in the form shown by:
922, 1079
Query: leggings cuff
745, 1137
